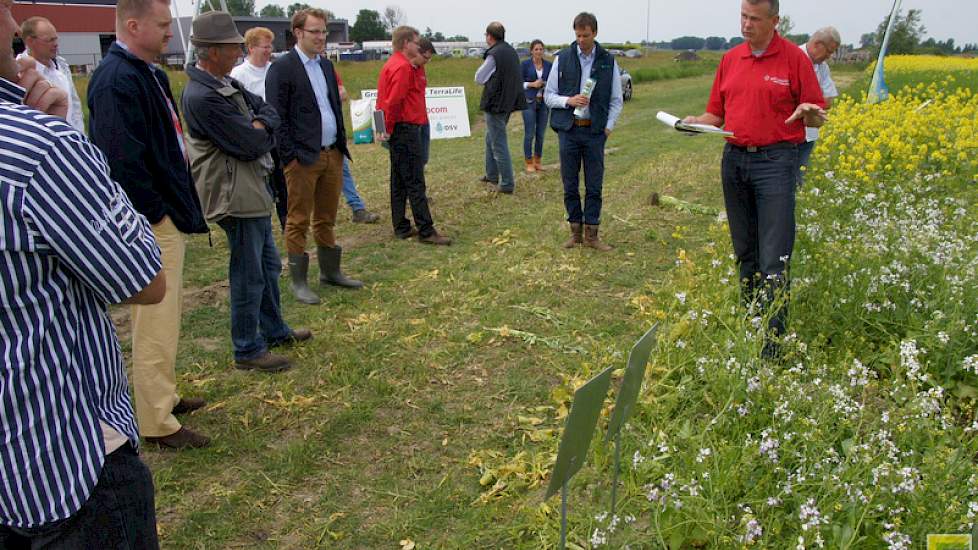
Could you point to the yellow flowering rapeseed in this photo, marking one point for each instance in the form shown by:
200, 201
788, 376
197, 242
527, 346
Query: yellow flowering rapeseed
929, 130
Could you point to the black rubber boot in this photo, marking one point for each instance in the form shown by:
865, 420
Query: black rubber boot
299, 272
329, 268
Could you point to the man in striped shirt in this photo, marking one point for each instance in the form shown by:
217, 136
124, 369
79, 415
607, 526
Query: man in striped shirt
70, 243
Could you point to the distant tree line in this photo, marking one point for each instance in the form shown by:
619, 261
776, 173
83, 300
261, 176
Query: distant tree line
906, 38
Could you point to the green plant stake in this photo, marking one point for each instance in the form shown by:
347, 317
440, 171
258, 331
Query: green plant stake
631, 386
576, 440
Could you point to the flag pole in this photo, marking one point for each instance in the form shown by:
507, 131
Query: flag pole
877, 89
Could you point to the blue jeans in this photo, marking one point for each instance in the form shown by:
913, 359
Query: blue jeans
579, 145
499, 165
759, 194
256, 310
535, 126
118, 514
353, 199
804, 155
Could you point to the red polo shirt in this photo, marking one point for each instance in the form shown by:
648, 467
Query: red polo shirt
400, 94
755, 95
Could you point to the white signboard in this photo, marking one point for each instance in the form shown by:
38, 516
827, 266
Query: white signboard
447, 111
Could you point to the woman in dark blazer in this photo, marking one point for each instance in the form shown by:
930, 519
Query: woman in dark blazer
536, 69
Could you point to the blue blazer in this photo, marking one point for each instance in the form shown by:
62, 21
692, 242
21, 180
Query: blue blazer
530, 75
300, 131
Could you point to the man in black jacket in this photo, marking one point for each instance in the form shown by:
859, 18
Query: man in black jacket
503, 94
230, 139
312, 142
134, 121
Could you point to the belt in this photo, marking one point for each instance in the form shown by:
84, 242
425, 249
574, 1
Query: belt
328, 147
582, 122
407, 125
759, 148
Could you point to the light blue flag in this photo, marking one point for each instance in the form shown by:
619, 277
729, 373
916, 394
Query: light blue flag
877, 89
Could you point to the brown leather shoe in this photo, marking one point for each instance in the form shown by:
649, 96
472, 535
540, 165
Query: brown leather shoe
188, 404
298, 335
435, 238
412, 233
267, 362
365, 216
577, 235
530, 168
591, 239
183, 438
537, 163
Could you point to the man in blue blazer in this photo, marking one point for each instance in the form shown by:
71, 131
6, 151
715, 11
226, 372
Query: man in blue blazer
312, 143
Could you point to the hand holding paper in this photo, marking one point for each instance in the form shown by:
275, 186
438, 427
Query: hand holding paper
689, 125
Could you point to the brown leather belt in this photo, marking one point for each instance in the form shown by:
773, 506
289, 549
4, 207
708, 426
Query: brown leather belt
582, 122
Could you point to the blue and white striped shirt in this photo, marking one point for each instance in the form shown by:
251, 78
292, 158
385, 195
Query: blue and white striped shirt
70, 242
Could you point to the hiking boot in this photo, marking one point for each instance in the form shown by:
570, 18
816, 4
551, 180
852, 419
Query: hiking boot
299, 271
412, 233
530, 168
537, 163
188, 404
591, 239
576, 235
364, 216
436, 239
329, 268
266, 362
184, 438
298, 335
499, 189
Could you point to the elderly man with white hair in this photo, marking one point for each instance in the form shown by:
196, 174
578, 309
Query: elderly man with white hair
820, 47
41, 39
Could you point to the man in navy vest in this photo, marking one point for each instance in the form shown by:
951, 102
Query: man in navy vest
503, 94
583, 124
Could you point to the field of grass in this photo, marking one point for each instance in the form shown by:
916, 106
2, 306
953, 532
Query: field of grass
427, 408
367, 441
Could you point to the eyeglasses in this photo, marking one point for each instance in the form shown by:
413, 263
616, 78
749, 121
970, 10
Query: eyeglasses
316, 32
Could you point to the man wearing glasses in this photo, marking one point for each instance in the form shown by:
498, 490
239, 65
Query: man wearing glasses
312, 143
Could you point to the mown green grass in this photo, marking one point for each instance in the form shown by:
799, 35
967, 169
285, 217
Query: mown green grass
366, 441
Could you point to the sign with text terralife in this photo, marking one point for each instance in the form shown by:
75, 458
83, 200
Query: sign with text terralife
448, 112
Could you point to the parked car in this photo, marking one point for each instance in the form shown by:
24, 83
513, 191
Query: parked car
616, 53
626, 83
476, 52
633, 53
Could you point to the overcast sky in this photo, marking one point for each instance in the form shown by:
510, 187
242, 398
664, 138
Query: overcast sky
621, 20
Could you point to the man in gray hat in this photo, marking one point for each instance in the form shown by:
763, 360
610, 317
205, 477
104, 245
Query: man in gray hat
230, 136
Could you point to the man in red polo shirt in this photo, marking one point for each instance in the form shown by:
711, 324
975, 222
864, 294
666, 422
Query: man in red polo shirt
765, 92
400, 95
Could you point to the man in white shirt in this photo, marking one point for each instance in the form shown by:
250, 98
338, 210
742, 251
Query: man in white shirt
252, 72
41, 39
820, 47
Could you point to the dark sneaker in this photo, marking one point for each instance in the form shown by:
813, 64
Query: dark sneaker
183, 438
412, 233
298, 335
267, 362
365, 216
499, 189
188, 404
485, 179
435, 238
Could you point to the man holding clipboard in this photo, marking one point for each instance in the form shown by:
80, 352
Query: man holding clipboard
765, 92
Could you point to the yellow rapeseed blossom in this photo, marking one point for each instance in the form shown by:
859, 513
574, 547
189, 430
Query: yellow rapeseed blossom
927, 129
899, 64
